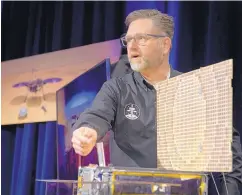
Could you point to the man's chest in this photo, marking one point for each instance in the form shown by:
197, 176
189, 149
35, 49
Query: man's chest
136, 115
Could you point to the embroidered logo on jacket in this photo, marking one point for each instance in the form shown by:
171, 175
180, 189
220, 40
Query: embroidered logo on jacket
131, 111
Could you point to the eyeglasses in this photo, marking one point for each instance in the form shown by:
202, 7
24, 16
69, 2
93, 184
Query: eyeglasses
140, 39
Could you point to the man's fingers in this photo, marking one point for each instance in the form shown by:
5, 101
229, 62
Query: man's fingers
84, 140
87, 133
77, 146
75, 141
81, 140
80, 150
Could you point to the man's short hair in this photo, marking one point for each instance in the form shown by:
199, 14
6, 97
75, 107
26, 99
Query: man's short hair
161, 20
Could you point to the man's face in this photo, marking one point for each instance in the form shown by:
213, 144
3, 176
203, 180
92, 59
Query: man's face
149, 55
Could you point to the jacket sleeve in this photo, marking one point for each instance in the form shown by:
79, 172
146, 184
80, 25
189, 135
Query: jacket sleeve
234, 179
100, 115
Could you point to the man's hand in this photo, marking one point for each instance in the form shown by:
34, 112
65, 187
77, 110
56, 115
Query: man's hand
83, 140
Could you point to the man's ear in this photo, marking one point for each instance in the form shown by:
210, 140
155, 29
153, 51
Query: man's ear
167, 44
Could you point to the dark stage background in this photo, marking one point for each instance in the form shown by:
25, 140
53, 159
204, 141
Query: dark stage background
205, 33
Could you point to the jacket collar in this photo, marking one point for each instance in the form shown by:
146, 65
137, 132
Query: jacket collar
140, 79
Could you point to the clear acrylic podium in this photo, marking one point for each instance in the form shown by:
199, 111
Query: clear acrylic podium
58, 187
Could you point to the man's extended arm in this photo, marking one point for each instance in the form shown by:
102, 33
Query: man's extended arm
235, 177
102, 112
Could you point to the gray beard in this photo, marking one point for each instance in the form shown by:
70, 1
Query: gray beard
138, 67
135, 67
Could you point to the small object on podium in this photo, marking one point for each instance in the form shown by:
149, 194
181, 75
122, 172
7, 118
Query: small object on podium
101, 155
123, 180
110, 180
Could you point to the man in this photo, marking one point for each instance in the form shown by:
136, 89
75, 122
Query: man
126, 104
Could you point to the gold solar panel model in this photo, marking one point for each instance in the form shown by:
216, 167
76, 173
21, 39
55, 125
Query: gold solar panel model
194, 120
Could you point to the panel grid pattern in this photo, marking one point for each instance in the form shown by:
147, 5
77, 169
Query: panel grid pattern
194, 120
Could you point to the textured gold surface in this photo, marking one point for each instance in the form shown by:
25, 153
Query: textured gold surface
194, 120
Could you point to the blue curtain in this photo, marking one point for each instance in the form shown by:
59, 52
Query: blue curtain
205, 33
28, 152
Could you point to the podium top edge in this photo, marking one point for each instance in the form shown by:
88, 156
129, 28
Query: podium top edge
56, 181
